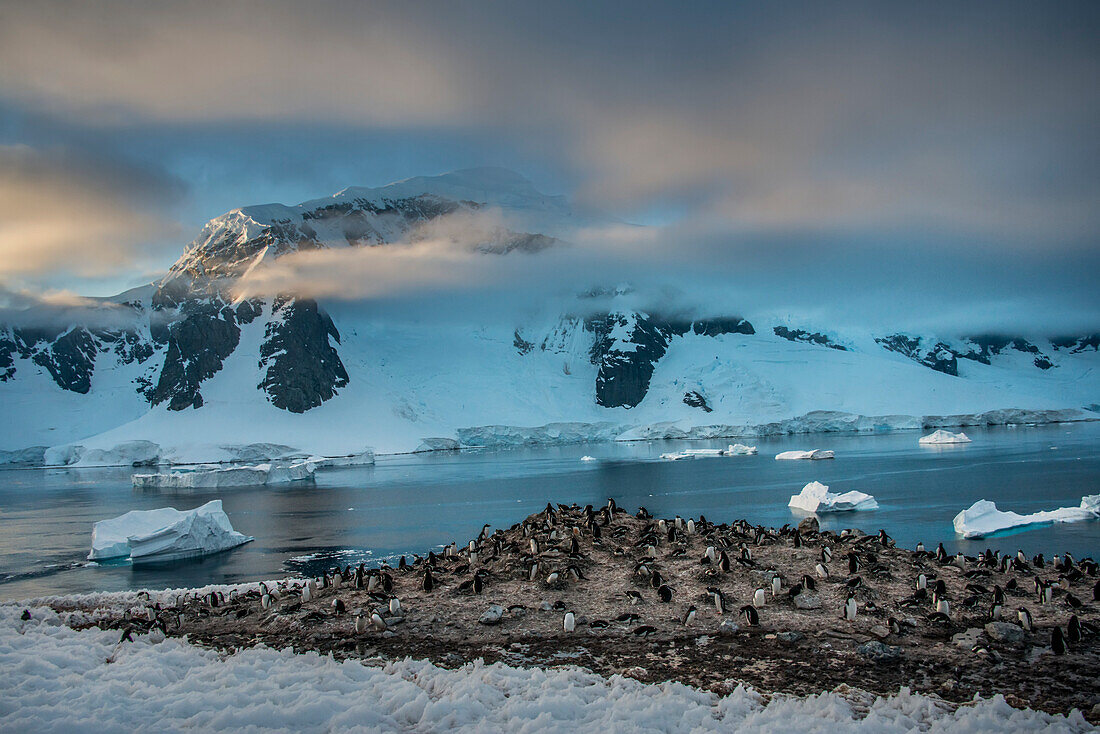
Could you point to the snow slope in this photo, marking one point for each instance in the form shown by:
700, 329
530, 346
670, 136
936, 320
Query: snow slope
59, 679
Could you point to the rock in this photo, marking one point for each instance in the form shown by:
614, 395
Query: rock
546, 607
880, 632
492, 615
1004, 632
878, 651
303, 368
806, 600
967, 639
789, 638
728, 627
809, 525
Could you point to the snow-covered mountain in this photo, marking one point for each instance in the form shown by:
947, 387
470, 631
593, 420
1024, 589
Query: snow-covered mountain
200, 373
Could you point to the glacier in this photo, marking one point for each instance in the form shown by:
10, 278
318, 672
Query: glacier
983, 518
165, 534
815, 497
231, 476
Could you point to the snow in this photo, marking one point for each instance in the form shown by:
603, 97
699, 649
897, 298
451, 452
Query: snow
588, 458
944, 437
60, 679
816, 497
165, 534
232, 476
812, 454
983, 518
736, 449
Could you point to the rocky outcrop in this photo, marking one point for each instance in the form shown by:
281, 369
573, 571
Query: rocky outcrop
939, 356
198, 344
1077, 344
807, 337
303, 368
696, 400
989, 345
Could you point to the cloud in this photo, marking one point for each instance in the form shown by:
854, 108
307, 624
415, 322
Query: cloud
64, 212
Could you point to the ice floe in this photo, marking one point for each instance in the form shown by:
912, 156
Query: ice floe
62, 679
230, 476
983, 518
736, 449
816, 497
943, 437
813, 454
165, 534
588, 458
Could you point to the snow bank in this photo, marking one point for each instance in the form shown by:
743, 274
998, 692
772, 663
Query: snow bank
165, 534
813, 454
816, 497
983, 518
231, 476
61, 679
943, 437
30, 456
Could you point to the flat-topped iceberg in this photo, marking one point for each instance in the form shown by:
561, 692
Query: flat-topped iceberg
943, 437
813, 454
231, 476
165, 534
983, 518
816, 497
736, 449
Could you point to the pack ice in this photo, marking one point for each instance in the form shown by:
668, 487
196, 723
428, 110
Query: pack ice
941, 437
797, 455
983, 518
165, 534
233, 476
816, 497
736, 449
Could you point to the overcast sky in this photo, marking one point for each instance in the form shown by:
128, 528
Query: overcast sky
933, 160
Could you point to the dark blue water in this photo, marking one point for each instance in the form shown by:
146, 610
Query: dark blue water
412, 503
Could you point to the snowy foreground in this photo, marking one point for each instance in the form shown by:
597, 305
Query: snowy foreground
983, 518
59, 679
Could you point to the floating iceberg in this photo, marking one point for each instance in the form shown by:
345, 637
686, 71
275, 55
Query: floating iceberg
941, 437
588, 458
736, 449
816, 497
165, 534
232, 476
983, 518
796, 455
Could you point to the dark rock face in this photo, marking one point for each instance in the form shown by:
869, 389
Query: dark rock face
522, 345
198, 343
696, 400
628, 345
8, 350
939, 357
1076, 344
303, 368
70, 360
799, 335
993, 344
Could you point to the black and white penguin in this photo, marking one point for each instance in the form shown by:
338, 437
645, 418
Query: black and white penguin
808, 582
922, 581
920, 547
777, 585
1057, 641
822, 570
759, 598
895, 626
484, 534
752, 617
826, 554
853, 563
479, 585
1024, 617
1073, 630
665, 592
361, 622
941, 553
689, 616
377, 623
634, 597
569, 623
428, 583
850, 608
338, 607
719, 600
395, 606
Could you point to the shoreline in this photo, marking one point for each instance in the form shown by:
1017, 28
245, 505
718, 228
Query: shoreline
801, 645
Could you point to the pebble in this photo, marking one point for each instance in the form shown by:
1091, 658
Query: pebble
492, 615
546, 607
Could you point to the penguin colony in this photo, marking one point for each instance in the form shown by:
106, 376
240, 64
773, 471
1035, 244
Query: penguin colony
569, 576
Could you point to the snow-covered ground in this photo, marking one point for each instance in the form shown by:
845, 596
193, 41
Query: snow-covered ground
57, 679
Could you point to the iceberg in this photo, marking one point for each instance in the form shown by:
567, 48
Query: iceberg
165, 534
736, 449
816, 497
798, 455
233, 476
740, 449
983, 518
943, 437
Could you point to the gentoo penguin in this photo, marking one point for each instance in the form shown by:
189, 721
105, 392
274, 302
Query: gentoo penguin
826, 554
395, 606
574, 547
850, 608
711, 555
691, 527
920, 547
360, 623
428, 583
943, 607
679, 522
895, 626
797, 543
1020, 556
941, 553
752, 617
634, 596
1024, 616
372, 582
127, 635
940, 587
309, 591
689, 616
922, 581
338, 607
484, 534
808, 581
534, 546
158, 632
719, 600
777, 585
1073, 630
377, 622
822, 570
266, 601
995, 611
553, 578
724, 562
662, 526
998, 594
597, 534
1038, 561
960, 561
478, 583
758, 599
665, 592
570, 622
1057, 641
746, 554
655, 579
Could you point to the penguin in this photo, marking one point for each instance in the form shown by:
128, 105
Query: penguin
797, 542
943, 607
360, 623
1020, 556
758, 599
338, 607
552, 578
158, 633
719, 601
309, 591
995, 611
822, 570
534, 546
895, 626
960, 561
1057, 641
665, 592
690, 527
808, 582
752, 617
1073, 630
777, 585
941, 554
826, 554
127, 635
656, 580
395, 606
746, 554
850, 608
711, 556
570, 622
428, 583
853, 563
645, 630
920, 547
998, 594
922, 581
724, 562
266, 601
1024, 616
634, 596
940, 587
689, 616
479, 585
